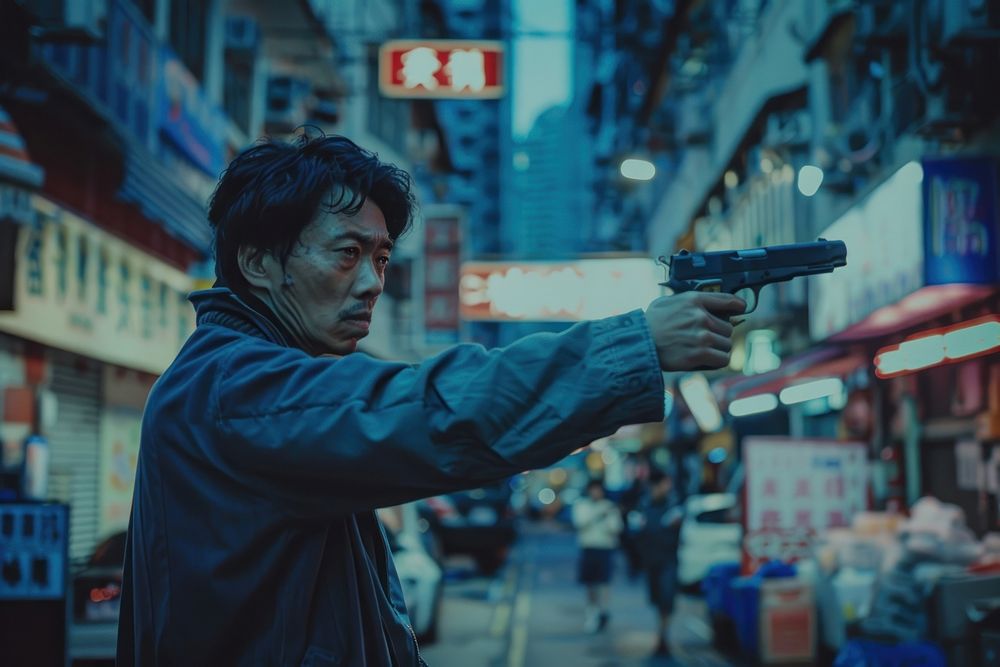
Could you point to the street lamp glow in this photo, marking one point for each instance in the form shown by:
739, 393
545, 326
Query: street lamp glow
800, 393
638, 170
810, 178
701, 402
752, 405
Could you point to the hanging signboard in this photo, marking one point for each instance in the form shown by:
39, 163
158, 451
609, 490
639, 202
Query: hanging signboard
961, 221
188, 118
558, 291
442, 258
456, 69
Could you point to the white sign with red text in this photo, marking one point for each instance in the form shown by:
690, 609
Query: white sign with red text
800, 486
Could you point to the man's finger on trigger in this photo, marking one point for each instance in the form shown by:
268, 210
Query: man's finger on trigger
724, 304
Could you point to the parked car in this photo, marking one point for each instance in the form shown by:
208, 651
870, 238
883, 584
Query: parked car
419, 574
710, 534
95, 598
479, 523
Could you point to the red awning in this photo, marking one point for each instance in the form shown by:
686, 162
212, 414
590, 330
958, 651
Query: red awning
927, 303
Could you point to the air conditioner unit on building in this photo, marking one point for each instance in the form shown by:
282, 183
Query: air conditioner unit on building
242, 34
968, 20
287, 102
70, 20
324, 112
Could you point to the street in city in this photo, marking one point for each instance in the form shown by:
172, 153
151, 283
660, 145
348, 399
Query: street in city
714, 282
532, 613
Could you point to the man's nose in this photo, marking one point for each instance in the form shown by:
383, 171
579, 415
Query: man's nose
370, 283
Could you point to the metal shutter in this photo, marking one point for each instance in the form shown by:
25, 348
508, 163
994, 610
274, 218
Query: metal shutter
75, 446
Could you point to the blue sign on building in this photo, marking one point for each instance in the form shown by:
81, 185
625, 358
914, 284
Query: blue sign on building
961, 221
188, 119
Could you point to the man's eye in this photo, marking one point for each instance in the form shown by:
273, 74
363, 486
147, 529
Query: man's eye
353, 253
383, 261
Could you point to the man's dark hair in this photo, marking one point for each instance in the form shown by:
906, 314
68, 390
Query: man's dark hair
271, 191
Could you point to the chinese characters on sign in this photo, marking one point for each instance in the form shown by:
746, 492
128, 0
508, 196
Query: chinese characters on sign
797, 488
79, 288
443, 253
455, 69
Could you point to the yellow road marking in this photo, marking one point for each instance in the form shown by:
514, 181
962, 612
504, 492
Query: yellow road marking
501, 620
519, 635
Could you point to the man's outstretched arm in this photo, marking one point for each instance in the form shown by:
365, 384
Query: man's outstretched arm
343, 435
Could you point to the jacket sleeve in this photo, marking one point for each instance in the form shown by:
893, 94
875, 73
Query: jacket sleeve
353, 433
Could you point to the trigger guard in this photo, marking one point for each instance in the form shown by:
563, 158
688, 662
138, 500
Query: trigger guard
751, 304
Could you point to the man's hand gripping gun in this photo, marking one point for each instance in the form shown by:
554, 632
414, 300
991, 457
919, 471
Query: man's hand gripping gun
736, 271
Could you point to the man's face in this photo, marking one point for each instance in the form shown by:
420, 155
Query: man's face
335, 274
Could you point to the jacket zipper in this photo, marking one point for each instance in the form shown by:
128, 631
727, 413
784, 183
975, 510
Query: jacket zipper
416, 645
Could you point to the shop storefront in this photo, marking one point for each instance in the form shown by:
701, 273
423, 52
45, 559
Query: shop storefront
923, 255
898, 399
93, 321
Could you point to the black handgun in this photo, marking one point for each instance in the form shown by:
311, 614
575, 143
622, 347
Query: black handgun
737, 270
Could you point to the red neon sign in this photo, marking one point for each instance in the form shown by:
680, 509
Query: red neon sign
975, 338
442, 69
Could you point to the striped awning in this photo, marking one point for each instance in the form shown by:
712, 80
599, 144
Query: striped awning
15, 165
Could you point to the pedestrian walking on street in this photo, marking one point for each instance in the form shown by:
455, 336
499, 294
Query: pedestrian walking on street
268, 443
598, 524
659, 539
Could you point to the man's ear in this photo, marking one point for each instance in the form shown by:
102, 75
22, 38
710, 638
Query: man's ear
257, 266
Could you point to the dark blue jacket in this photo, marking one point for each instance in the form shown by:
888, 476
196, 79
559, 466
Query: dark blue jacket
253, 538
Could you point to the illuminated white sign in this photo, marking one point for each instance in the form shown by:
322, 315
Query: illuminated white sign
557, 292
752, 405
701, 402
808, 391
931, 348
884, 236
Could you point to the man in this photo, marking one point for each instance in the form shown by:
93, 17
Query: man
598, 523
267, 444
659, 540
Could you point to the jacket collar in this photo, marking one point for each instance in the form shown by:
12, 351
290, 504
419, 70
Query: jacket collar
220, 305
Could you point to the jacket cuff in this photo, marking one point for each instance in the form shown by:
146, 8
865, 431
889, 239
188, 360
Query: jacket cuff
625, 347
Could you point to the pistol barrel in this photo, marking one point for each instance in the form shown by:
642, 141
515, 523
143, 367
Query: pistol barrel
814, 257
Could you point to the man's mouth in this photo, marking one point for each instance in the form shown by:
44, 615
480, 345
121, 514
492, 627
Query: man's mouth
362, 321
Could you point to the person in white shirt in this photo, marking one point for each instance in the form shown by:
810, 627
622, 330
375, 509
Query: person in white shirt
598, 523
